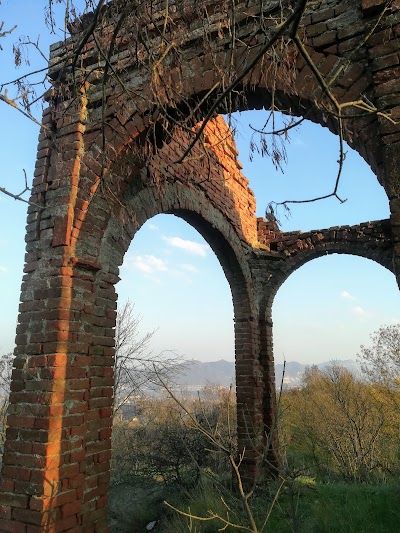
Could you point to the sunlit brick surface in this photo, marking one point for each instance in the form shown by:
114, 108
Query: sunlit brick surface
55, 471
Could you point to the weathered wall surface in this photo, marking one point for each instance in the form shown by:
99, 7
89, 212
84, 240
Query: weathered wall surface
372, 240
97, 186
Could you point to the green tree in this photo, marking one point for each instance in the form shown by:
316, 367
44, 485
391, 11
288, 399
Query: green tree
338, 423
380, 362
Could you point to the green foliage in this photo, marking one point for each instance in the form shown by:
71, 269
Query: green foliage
381, 361
339, 436
319, 508
340, 427
204, 499
162, 442
133, 505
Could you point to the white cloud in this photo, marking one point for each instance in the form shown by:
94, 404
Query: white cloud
187, 267
3, 269
346, 295
153, 227
359, 311
149, 264
191, 247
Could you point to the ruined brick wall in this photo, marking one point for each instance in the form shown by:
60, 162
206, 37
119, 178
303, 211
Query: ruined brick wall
61, 399
368, 239
285, 252
95, 197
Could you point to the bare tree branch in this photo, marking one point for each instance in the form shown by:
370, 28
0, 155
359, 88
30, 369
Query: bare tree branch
279, 31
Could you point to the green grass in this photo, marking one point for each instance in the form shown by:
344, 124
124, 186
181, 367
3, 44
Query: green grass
200, 502
309, 508
352, 509
133, 505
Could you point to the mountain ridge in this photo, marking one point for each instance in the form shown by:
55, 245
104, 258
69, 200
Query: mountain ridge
197, 373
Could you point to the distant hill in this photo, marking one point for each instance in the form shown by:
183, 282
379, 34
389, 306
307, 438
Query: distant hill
198, 374
294, 370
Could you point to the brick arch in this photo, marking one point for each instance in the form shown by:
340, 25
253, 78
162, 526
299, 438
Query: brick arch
356, 79
348, 41
284, 253
120, 225
224, 229
340, 249
291, 266
120, 228
272, 287
371, 240
359, 134
330, 38
56, 462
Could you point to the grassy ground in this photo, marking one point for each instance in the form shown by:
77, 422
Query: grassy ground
340, 508
133, 505
308, 508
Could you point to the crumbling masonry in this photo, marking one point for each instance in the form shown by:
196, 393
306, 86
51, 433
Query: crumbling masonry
56, 462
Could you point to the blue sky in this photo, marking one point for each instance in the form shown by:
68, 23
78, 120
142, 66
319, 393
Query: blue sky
325, 310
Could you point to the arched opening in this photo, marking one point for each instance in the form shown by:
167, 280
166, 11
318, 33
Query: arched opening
120, 226
65, 342
310, 173
332, 411
331, 305
307, 170
177, 197
180, 290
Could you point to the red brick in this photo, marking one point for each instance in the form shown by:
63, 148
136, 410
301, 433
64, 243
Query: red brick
64, 373
7, 526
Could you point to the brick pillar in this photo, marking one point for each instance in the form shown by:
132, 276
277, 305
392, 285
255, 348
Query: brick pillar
255, 388
56, 462
57, 453
249, 394
270, 420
